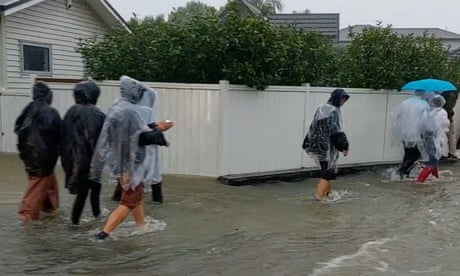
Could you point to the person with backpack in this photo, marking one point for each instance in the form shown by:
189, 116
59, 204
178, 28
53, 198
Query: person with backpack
326, 138
38, 128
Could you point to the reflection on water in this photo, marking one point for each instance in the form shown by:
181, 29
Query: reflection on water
370, 225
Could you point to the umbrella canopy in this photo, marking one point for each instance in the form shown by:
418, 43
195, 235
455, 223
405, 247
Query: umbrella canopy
429, 85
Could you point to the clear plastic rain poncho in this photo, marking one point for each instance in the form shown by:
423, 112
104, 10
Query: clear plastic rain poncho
412, 124
118, 143
326, 124
152, 173
441, 125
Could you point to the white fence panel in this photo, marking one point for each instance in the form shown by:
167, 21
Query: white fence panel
195, 137
263, 130
11, 107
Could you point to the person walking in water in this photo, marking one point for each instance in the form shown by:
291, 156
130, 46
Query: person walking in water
152, 152
80, 130
435, 137
38, 129
408, 128
326, 138
121, 145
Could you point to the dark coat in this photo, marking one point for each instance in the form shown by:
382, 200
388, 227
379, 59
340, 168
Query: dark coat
81, 127
38, 130
451, 100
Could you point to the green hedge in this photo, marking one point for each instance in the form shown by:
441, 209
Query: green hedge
251, 51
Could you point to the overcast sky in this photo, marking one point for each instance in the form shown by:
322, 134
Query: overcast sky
400, 13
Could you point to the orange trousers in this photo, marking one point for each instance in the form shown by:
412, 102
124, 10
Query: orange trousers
41, 195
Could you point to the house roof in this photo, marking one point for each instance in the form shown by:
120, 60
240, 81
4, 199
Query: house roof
436, 32
326, 24
102, 7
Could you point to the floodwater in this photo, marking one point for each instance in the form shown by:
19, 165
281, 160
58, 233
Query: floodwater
371, 226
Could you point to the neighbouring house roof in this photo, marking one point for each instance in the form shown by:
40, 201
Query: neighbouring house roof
436, 32
455, 53
102, 7
326, 24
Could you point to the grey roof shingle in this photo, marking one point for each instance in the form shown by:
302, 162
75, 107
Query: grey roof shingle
326, 24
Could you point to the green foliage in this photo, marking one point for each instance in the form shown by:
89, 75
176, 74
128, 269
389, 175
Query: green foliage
197, 45
378, 58
193, 9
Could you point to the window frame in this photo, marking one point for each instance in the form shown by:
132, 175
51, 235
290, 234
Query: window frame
35, 44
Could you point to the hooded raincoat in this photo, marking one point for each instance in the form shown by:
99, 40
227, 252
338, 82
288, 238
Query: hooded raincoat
152, 152
82, 125
38, 130
441, 125
326, 137
119, 143
412, 125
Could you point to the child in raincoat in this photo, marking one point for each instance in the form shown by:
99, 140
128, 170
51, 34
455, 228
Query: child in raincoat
121, 145
326, 138
409, 129
81, 127
436, 143
152, 152
39, 136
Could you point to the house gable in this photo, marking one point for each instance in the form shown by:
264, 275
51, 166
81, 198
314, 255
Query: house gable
53, 30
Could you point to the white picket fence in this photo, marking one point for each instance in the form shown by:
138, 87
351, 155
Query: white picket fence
222, 129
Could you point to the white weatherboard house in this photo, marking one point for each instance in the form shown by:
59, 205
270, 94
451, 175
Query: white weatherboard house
40, 37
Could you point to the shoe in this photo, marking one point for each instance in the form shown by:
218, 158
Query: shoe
102, 235
157, 194
452, 157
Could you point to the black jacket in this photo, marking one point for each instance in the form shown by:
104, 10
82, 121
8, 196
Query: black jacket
81, 127
38, 131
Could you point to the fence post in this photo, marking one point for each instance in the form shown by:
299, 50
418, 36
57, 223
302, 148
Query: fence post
224, 88
305, 116
387, 117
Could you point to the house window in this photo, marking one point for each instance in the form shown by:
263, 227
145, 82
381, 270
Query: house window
36, 58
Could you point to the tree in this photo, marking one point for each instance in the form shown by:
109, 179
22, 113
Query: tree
379, 58
183, 15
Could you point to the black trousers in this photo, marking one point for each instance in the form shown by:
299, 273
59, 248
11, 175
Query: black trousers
411, 155
82, 193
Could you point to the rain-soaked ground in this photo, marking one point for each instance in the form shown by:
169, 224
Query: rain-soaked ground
372, 226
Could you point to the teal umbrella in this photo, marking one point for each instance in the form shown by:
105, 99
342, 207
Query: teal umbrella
433, 85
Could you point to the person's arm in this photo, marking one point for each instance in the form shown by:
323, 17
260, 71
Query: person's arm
338, 138
154, 137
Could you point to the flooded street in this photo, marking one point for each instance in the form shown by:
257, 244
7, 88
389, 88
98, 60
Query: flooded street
373, 227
